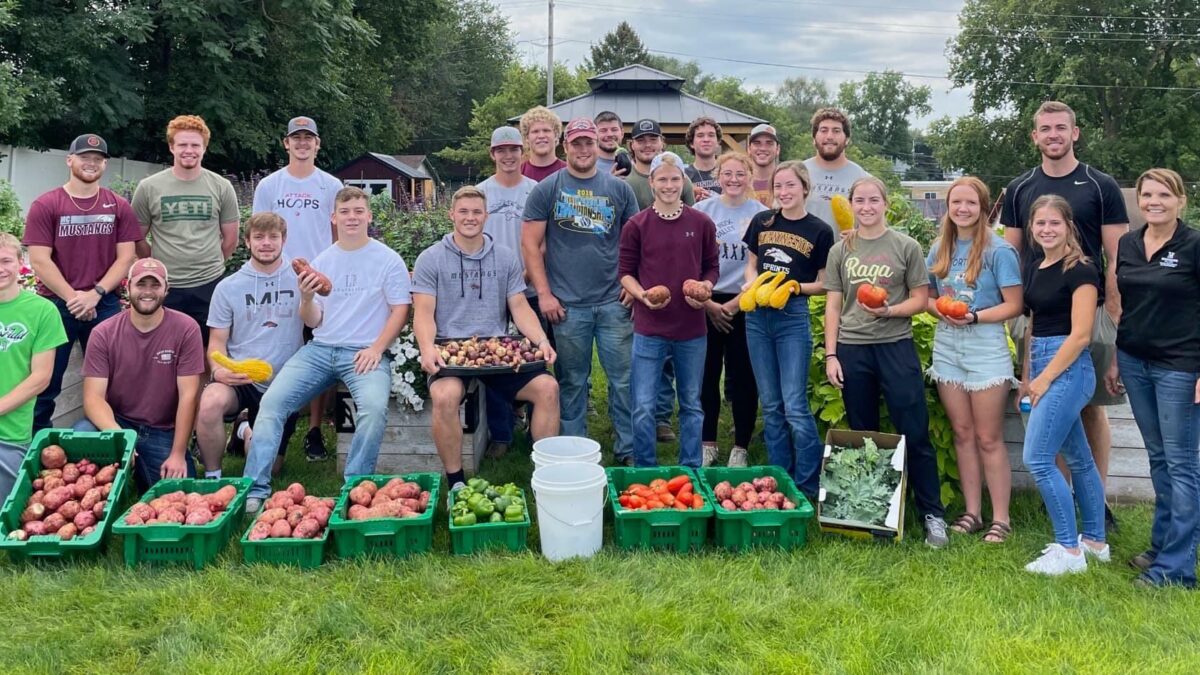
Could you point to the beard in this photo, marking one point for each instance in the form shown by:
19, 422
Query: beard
582, 165
1063, 151
607, 146
136, 304
828, 155
80, 176
264, 260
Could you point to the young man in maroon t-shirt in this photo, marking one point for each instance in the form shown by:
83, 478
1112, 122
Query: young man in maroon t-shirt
541, 129
142, 372
669, 245
81, 241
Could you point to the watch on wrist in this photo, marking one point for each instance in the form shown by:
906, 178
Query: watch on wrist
974, 318
100, 290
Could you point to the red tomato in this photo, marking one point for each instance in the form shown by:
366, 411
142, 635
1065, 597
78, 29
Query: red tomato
697, 502
654, 504
657, 483
624, 500
872, 296
681, 505
676, 484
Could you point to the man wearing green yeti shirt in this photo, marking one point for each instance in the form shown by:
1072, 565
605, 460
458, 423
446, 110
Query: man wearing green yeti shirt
30, 331
190, 215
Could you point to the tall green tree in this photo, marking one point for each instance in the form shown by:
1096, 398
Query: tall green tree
992, 148
801, 96
794, 141
1129, 68
880, 107
620, 47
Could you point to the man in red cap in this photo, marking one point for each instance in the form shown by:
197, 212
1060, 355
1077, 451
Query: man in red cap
570, 242
81, 240
142, 372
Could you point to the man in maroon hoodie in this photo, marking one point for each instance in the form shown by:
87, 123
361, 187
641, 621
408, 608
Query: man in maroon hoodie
673, 246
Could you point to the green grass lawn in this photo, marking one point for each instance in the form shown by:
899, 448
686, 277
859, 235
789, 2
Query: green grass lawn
838, 605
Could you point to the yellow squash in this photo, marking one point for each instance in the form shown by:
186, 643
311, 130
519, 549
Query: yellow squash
747, 303
842, 215
255, 369
781, 295
763, 295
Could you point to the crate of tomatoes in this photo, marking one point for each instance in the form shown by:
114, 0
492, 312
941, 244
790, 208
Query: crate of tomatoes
658, 507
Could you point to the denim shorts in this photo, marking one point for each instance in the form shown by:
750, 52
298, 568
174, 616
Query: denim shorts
972, 358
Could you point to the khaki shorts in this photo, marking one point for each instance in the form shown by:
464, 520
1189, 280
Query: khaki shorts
1103, 347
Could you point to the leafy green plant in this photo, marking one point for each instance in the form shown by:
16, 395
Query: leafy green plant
405, 231
10, 210
859, 483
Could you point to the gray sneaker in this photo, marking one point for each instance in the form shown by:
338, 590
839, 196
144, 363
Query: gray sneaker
253, 506
935, 532
710, 455
737, 457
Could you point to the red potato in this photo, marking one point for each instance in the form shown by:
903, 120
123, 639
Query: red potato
134, 519
38, 483
723, 490
84, 519
35, 528
360, 496
87, 530
321, 515
328, 503
658, 294
53, 457
310, 501
70, 509
52, 483
55, 498
409, 491
90, 499
82, 485
307, 529
696, 290
177, 497
98, 509
296, 491
738, 496
106, 474
198, 517
369, 486
71, 473
54, 522
294, 517
142, 511
193, 498
67, 532
269, 516
171, 516
281, 530
356, 512
106, 489
424, 501
37, 497
260, 531
728, 505
90, 469
32, 512
159, 503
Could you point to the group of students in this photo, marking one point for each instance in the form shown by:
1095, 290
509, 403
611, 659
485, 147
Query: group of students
572, 252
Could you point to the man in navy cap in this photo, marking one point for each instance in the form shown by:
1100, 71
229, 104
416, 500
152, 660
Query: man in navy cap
647, 144
81, 240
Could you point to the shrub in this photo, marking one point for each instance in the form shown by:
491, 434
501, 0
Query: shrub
10, 210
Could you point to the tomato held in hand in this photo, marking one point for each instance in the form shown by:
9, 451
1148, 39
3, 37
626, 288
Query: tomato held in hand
948, 306
872, 296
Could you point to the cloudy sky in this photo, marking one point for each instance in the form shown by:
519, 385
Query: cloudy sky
835, 41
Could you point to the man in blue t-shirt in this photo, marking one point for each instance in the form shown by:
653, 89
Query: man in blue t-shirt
570, 243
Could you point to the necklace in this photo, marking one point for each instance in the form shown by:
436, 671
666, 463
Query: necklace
668, 216
95, 201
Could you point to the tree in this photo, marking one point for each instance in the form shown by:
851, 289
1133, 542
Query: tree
1129, 68
922, 163
694, 80
620, 47
730, 92
521, 88
994, 149
879, 108
800, 97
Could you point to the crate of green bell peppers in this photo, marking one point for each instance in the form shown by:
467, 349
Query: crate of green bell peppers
484, 516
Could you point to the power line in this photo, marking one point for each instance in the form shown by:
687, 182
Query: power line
1117, 17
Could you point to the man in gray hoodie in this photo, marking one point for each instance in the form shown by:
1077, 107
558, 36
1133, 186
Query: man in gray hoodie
466, 285
253, 314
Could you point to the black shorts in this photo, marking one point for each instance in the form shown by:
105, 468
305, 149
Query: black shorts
194, 302
504, 385
249, 398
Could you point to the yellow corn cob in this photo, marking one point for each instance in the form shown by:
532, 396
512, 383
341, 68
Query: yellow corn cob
781, 295
255, 369
747, 303
842, 215
763, 295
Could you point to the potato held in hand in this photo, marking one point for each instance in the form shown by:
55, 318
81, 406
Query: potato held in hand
300, 266
697, 290
658, 295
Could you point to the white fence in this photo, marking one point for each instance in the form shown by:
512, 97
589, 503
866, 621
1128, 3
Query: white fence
32, 172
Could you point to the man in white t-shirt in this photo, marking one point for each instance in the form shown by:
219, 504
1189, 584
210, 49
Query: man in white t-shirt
303, 195
832, 173
505, 192
352, 328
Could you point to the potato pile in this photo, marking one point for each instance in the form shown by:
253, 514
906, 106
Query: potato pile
396, 499
69, 498
761, 493
181, 508
497, 351
292, 514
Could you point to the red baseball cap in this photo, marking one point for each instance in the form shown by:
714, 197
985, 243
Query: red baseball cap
147, 267
581, 126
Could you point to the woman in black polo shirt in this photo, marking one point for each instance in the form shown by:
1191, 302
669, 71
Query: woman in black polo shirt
1158, 362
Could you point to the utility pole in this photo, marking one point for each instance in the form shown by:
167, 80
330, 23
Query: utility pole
550, 59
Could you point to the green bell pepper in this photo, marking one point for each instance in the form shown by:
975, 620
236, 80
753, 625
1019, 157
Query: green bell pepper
495, 517
510, 490
465, 519
491, 493
475, 499
483, 509
502, 502
514, 514
478, 484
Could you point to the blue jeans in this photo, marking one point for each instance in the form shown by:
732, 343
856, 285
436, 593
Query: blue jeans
312, 370
650, 354
780, 344
152, 449
77, 331
664, 401
611, 328
1164, 407
1054, 426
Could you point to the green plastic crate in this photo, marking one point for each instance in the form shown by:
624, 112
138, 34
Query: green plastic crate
304, 553
468, 539
195, 544
101, 447
739, 530
385, 536
681, 531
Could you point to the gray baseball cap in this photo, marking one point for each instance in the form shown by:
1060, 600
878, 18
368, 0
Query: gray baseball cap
766, 129
506, 135
298, 124
88, 143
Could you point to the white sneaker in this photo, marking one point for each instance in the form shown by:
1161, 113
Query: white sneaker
1057, 560
253, 506
1103, 554
450, 493
710, 455
737, 457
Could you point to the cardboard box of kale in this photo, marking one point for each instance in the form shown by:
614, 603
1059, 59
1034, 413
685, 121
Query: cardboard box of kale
863, 477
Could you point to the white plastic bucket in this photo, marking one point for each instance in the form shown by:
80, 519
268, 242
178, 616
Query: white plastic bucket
570, 508
559, 449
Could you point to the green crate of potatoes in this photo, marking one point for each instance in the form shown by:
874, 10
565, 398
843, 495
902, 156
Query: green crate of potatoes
177, 542
740, 530
385, 536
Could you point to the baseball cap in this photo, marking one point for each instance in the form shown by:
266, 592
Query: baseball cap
580, 126
506, 135
88, 143
298, 124
147, 267
764, 129
643, 127
658, 161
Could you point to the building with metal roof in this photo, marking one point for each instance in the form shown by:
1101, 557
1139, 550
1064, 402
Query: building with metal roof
637, 92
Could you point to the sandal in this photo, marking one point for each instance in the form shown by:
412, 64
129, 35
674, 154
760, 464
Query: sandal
967, 523
998, 532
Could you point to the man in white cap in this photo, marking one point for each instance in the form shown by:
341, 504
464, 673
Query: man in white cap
81, 239
505, 192
303, 195
142, 372
570, 242
763, 148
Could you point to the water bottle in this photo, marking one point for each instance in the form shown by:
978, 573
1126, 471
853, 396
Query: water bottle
1026, 405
